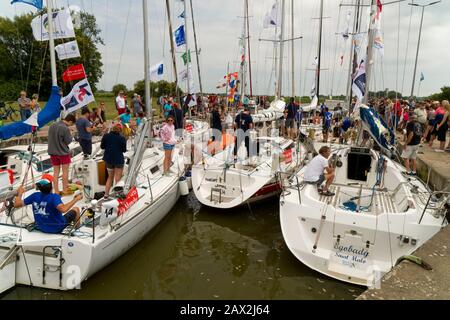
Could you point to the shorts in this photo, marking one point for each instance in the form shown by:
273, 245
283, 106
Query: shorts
289, 123
319, 181
121, 111
168, 147
410, 152
326, 129
110, 166
70, 217
442, 132
60, 160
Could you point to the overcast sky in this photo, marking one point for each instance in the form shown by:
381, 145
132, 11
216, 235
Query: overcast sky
219, 26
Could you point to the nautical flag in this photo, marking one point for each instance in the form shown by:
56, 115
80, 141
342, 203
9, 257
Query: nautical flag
379, 8
68, 50
35, 3
359, 83
182, 15
184, 56
80, 96
74, 73
271, 18
422, 77
378, 41
341, 59
312, 94
180, 38
186, 74
62, 26
157, 72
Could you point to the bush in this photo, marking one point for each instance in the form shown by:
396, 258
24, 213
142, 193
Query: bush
10, 91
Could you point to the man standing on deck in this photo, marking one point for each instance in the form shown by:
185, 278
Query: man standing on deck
290, 119
242, 124
85, 128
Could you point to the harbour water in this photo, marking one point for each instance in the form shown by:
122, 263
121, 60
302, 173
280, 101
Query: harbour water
202, 253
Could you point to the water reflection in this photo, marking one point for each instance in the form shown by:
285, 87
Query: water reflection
202, 253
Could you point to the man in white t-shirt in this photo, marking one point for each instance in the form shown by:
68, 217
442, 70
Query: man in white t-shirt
319, 170
120, 103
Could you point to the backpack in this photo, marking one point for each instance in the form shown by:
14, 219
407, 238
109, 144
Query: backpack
418, 129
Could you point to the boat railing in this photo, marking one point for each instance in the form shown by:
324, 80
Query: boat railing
297, 186
444, 202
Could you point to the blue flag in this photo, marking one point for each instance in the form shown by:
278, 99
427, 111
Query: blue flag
422, 77
180, 37
35, 3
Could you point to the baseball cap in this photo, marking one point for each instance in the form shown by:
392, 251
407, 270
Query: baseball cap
46, 179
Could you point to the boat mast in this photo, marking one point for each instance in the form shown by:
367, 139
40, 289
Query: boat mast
249, 53
148, 98
52, 43
351, 68
172, 47
196, 49
369, 62
293, 48
188, 64
280, 69
319, 50
244, 55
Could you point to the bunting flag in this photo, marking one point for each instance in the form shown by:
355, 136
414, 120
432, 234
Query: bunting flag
379, 9
422, 77
34, 3
180, 37
312, 94
62, 26
316, 61
68, 50
157, 72
359, 83
74, 73
271, 18
378, 38
182, 15
80, 96
185, 57
346, 33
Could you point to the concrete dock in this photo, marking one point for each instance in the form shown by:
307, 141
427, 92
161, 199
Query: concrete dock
408, 281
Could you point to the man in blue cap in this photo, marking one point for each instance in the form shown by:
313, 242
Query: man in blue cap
48, 207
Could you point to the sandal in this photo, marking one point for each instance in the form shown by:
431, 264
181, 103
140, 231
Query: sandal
328, 193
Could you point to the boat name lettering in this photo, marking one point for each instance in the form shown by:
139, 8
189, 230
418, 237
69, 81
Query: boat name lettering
350, 249
211, 180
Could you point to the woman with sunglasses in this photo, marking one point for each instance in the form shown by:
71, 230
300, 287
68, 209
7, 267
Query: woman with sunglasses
167, 134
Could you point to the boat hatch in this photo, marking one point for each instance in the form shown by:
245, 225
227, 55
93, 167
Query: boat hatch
359, 164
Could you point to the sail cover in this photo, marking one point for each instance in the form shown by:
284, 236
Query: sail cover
377, 127
51, 112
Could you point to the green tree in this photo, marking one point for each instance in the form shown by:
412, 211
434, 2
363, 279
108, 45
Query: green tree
119, 87
25, 63
443, 95
157, 89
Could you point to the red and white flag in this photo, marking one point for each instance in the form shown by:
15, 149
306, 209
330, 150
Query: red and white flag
74, 73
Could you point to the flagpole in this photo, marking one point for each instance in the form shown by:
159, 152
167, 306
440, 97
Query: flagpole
244, 55
196, 50
351, 69
188, 86
148, 98
52, 43
172, 47
280, 71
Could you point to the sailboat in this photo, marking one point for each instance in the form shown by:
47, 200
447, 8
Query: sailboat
221, 183
376, 215
109, 227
